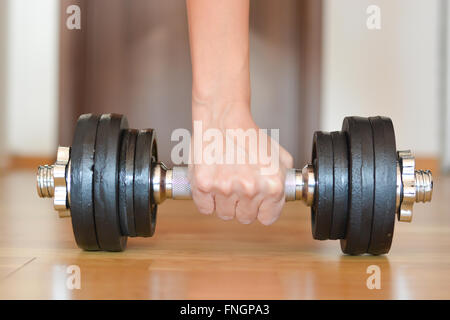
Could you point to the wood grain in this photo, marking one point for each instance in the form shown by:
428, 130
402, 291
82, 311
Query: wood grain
200, 257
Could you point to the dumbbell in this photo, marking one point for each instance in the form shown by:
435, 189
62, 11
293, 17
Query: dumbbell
110, 183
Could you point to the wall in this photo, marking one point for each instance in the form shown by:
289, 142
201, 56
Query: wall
393, 71
285, 54
32, 77
135, 60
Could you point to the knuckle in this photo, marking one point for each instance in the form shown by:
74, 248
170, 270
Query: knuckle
202, 181
248, 187
289, 160
223, 187
275, 186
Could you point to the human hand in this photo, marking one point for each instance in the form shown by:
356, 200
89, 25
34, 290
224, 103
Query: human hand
245, 190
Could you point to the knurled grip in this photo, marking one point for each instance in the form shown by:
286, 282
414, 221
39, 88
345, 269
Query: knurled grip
181, 188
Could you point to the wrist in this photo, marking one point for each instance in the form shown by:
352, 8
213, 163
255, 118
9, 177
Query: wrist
219, 93
219, 110
223, 114
217, 100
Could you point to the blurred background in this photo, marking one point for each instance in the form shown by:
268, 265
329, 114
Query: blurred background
312, 63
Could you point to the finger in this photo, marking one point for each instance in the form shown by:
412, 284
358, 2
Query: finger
247, 209
270, 210
272, 187
225, 206
204, 201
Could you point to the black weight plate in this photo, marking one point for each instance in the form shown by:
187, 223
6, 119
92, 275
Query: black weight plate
385, 155
106, 182
126, 183
81, 182
361, 185
340, 185
322, 208
144, 205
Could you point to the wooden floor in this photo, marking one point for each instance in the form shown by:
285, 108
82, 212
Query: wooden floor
200, 257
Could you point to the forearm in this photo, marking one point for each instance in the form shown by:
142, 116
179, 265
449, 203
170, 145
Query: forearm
219, 41
219, 32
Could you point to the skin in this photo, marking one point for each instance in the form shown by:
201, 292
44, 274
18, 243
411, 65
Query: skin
219, 41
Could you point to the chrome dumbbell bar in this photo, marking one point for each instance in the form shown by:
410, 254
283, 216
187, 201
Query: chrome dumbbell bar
53, 181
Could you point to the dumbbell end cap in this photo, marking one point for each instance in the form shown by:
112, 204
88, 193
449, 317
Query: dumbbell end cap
412, 185
53, 181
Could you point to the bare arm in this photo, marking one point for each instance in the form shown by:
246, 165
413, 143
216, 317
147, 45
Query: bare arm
219, 49
219, 39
